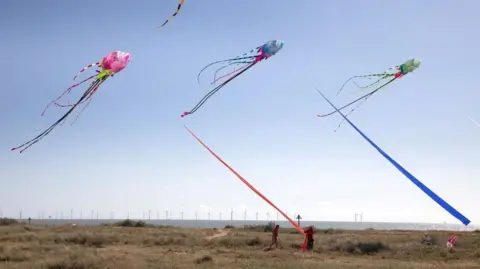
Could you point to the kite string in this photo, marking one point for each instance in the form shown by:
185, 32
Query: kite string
300, 229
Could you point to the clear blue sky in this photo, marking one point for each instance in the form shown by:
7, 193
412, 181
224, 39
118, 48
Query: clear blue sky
129, 151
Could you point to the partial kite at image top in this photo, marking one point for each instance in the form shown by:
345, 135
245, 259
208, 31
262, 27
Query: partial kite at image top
110, 65
474, 121
174, 14
239, 64
381, 80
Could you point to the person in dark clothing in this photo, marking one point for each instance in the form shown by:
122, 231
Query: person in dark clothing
426, 239
275, 237
309, 233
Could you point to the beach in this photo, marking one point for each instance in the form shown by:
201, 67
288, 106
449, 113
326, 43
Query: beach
72, 246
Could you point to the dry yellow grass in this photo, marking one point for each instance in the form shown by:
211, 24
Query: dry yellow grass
67, 247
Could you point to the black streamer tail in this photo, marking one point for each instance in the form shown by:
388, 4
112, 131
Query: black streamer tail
39, 137
212, 92
360, 98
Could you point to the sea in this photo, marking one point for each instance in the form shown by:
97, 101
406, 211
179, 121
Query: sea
283, 224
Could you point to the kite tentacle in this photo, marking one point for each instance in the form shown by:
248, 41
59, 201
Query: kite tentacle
66, 92
351, 111
203, 100
373, 83
97, 64
231, 73
252, 58
225, 66
89, 98
358, 99
206, 97
101, 77
363, 76
33, 141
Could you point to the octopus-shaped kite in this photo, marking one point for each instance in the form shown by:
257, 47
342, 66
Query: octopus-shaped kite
246, 60
382, 80
110, 65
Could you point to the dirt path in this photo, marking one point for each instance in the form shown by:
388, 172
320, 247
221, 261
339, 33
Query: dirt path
220, 233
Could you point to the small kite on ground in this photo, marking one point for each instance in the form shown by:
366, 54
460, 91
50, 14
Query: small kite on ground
110, 65
244, 62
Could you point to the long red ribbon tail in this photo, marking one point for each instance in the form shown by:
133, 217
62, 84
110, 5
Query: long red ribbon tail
252, 188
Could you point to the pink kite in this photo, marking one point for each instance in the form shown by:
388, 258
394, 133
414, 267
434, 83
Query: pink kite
110, 65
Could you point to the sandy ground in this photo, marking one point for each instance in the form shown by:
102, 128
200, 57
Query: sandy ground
220, 233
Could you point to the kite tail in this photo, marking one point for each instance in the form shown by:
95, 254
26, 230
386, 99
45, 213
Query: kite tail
474, 121
39, 137
212, 92
251, 58
67, 91
251, 187
407, 174
174, 14
358, 99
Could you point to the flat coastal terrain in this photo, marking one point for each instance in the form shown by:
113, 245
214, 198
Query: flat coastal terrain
121, 247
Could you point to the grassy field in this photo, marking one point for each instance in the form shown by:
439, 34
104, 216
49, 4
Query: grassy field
75, 247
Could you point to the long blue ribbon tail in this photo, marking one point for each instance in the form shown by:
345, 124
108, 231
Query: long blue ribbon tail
415, 181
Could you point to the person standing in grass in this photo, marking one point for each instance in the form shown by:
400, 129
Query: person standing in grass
451, 241
275, 236
309, 233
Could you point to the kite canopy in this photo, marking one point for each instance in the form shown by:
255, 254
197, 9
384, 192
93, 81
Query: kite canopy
115, 61
272, 47
410, 65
